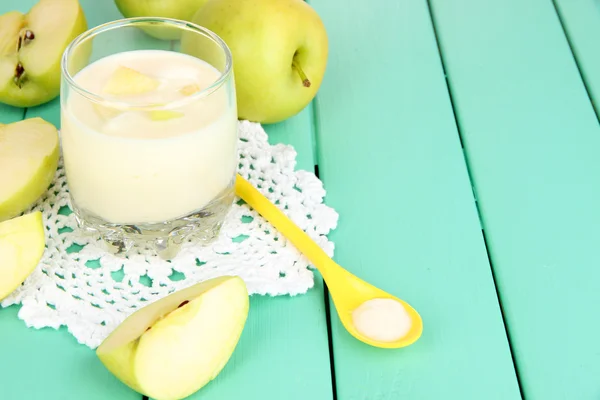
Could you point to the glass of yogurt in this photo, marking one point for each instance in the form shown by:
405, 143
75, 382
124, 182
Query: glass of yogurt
149, 133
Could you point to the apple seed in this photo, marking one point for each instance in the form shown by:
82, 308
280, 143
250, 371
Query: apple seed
19, 75
183, 304
19, 70
25, 38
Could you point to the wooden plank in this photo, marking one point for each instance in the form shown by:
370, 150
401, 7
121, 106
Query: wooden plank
10, 114
284, 350
285, 339
581, 21
391, 159
532, 141
49, 364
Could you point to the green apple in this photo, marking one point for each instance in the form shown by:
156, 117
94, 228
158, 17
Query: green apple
279, 50
177, 9
29, 152
22, 244
31, 47
176, 345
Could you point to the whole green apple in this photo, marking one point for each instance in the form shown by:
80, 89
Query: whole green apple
279, 50
177, 9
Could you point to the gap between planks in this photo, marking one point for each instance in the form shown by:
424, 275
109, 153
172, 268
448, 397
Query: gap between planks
579, 69
466, 157
315, 132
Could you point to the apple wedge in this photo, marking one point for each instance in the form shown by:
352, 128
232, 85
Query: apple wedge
29, 153
22, 244
176, 345
126, 81
31, 47
190, 89
164, 115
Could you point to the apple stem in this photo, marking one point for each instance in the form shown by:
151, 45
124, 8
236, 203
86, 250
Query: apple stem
303, 76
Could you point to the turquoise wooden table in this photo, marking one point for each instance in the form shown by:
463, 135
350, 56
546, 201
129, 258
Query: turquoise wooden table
459, 142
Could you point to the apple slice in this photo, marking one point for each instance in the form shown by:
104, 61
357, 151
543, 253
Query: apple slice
105, 112
22, 244
31, 47
176, 345
29, 152
164, 115
190, 89
126, 81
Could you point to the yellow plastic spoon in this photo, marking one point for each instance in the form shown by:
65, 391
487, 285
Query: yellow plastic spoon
348, 291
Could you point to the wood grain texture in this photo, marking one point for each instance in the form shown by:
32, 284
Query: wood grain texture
581, 21
283, 352
390, 156
532, 141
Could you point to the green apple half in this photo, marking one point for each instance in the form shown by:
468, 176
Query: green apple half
178, 9
29, 151
279, 50
22, 244
176, 345
31, 47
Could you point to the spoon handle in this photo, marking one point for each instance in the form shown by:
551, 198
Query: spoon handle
283, 224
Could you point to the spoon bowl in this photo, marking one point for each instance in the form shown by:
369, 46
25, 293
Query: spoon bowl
347, 291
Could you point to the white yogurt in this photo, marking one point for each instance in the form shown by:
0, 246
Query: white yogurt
128, 168
384, 320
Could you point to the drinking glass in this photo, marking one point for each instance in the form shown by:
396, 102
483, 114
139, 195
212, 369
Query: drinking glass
149, 133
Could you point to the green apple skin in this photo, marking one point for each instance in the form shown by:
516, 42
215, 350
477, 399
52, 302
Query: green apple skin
186, 347
22, 245
43, 83
265, 37
31, 190
177, 9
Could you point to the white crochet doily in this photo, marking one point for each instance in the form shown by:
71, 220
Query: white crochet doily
79, 285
